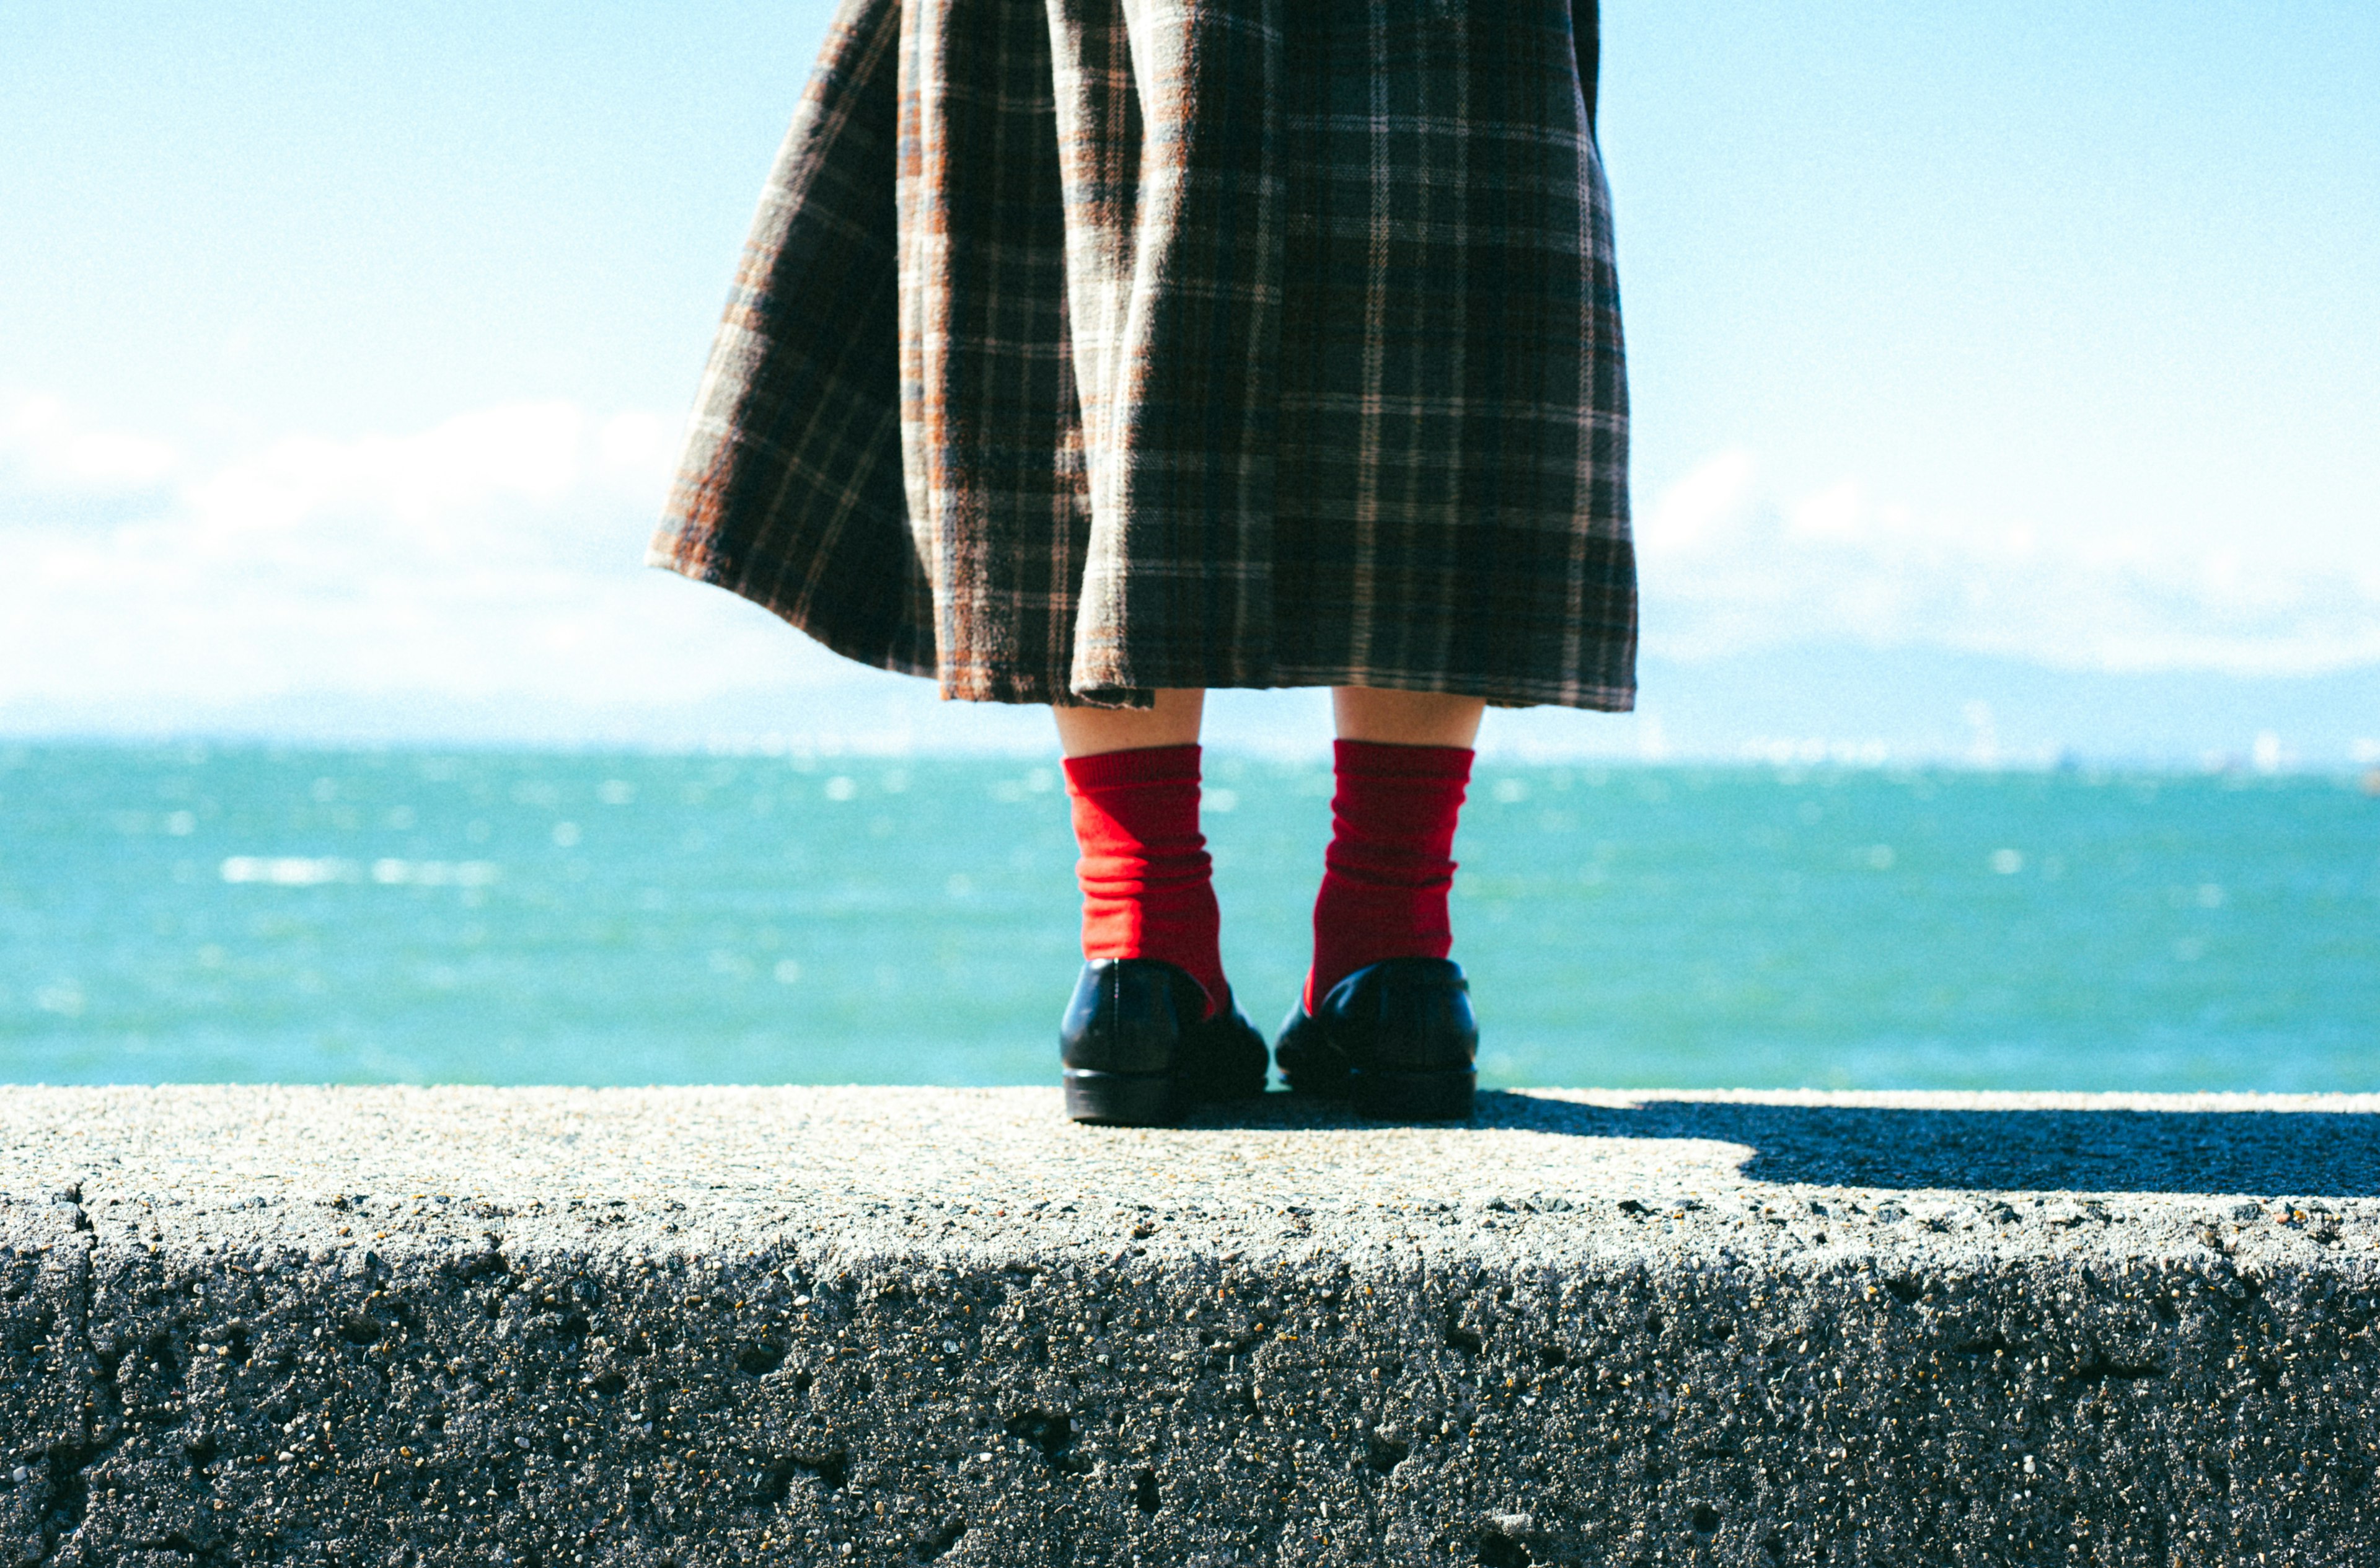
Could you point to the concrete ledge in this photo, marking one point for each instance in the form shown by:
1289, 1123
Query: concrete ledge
890, 1326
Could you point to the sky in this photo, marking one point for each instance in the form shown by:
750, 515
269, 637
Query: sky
2018, 359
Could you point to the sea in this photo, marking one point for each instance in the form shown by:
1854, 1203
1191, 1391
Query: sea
242, 913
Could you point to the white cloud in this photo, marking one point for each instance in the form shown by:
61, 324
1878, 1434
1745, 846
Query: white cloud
1730, 568
48, 450
495, 558
54, 450
435, 486
494, 564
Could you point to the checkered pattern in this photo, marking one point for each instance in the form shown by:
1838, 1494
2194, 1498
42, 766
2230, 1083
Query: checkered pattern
1084, 347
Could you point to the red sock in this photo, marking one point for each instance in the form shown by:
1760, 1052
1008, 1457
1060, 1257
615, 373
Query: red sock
1389, 867
1147, 891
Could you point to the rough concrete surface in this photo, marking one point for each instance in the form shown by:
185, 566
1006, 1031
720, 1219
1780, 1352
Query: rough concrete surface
894, 1326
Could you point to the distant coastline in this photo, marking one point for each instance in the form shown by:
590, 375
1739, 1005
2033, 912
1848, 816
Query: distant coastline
1791, 706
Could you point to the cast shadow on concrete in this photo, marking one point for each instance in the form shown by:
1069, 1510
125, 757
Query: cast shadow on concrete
2293, 1154
2261, 1153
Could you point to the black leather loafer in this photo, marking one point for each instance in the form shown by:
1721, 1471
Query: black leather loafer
1396, 1037
1137, 1048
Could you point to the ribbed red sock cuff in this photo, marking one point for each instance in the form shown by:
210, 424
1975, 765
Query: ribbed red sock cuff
1148, 764
1378, 760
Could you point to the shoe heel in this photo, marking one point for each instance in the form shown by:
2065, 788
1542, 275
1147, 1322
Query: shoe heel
1121, 1100
1316, 1084
1414, 1096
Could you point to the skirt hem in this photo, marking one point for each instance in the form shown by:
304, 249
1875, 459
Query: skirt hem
1497, 692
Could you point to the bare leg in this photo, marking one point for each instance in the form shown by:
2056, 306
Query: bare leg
1406, 718
1087, 732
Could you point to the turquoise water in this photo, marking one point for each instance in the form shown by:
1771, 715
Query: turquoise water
243, 915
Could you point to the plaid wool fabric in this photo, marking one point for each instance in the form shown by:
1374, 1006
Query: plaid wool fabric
1083, 347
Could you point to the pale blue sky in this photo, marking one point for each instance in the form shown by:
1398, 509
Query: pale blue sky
2032, 331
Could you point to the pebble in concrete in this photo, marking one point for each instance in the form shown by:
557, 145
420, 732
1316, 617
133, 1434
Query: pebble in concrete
712, 1326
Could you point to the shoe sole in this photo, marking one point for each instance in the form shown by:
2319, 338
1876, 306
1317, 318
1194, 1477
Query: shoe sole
1396, 1096
1121, 1099
1413, 1097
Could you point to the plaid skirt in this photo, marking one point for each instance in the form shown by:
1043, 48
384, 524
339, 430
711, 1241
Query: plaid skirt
1084, 347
